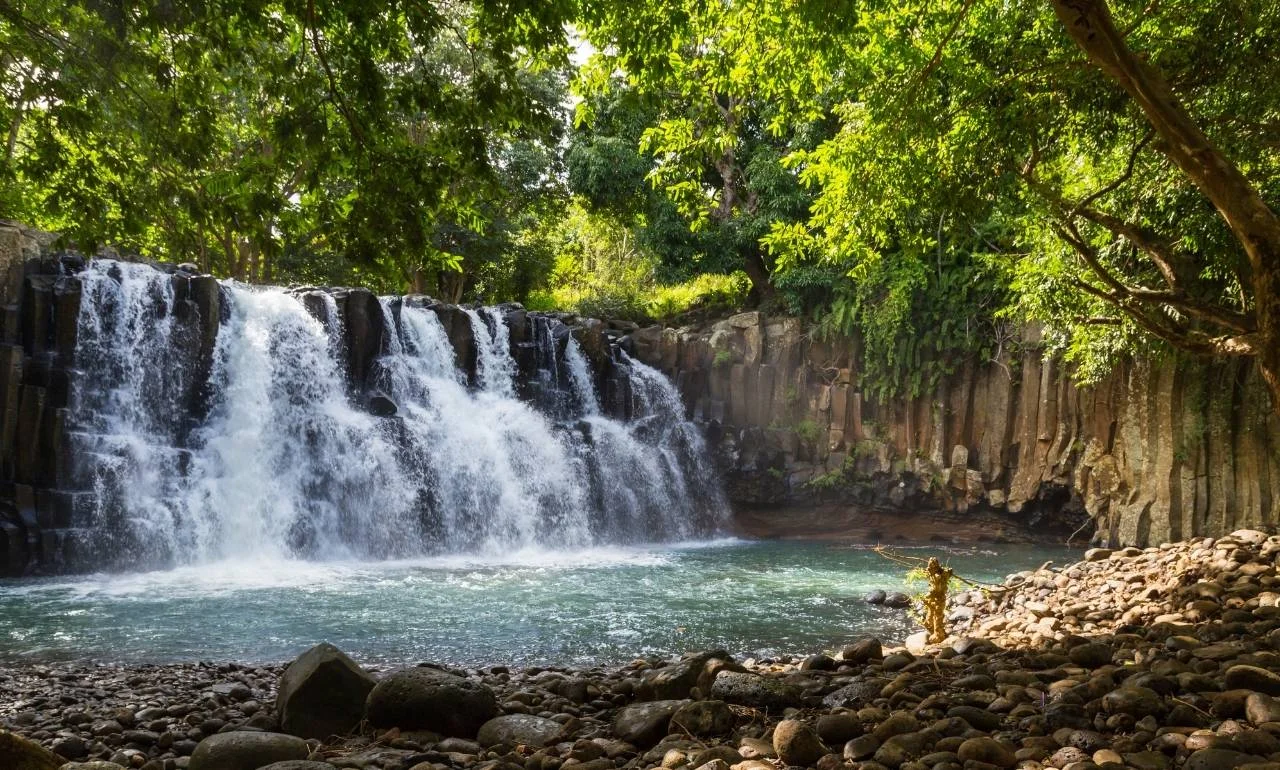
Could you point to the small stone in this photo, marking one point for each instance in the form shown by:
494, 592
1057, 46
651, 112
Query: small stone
896, 724
703, 718
1091, 655
837, 729
644, 724
797, 743
987, 750
861, 747
1252, 678
862, 651
1218, 759
1258, 708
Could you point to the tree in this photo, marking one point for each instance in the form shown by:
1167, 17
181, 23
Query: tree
707, 151
978, 126
244, 133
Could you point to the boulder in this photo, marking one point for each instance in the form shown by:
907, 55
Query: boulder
94, 765
704, 718
382, 405
322, 693
897, 600
298, 764
644, 724
519, 730
246, 750
18, 753
866, 650
797, 743
677, 680
425, 698
747, 689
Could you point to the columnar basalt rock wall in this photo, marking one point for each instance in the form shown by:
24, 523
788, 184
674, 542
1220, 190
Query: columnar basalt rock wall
1159, 451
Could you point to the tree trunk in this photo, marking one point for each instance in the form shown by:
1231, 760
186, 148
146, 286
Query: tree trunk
1253, 223
755, 268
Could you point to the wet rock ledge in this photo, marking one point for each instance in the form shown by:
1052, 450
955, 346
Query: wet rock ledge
1148, 659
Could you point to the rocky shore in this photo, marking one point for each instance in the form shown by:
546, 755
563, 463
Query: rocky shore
1148, 659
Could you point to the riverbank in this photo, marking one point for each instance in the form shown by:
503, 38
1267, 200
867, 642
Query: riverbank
1150, 659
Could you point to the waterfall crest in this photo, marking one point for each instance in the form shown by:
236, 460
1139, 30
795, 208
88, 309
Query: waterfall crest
454, 435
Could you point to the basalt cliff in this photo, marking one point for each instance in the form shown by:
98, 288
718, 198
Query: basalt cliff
1163, 449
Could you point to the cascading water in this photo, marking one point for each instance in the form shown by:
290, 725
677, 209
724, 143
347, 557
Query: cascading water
276, 456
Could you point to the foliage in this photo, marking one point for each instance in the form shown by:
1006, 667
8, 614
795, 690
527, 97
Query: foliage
711, 291
985, 132
923, 175
602, 268
325, 138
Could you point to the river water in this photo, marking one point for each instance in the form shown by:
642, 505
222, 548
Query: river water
590, 606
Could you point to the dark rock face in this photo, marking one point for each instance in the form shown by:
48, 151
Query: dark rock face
797, 431
430, 699
322, 693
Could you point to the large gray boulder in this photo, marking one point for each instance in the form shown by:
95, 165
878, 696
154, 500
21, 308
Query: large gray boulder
322, 693
519, 730
426, 698
246, 750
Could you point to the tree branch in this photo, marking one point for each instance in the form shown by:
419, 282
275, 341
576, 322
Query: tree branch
357, 132
1251, 220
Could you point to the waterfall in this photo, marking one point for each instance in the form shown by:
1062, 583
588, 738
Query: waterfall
276, 455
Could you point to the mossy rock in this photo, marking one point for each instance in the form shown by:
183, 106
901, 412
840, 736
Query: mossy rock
18, 753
